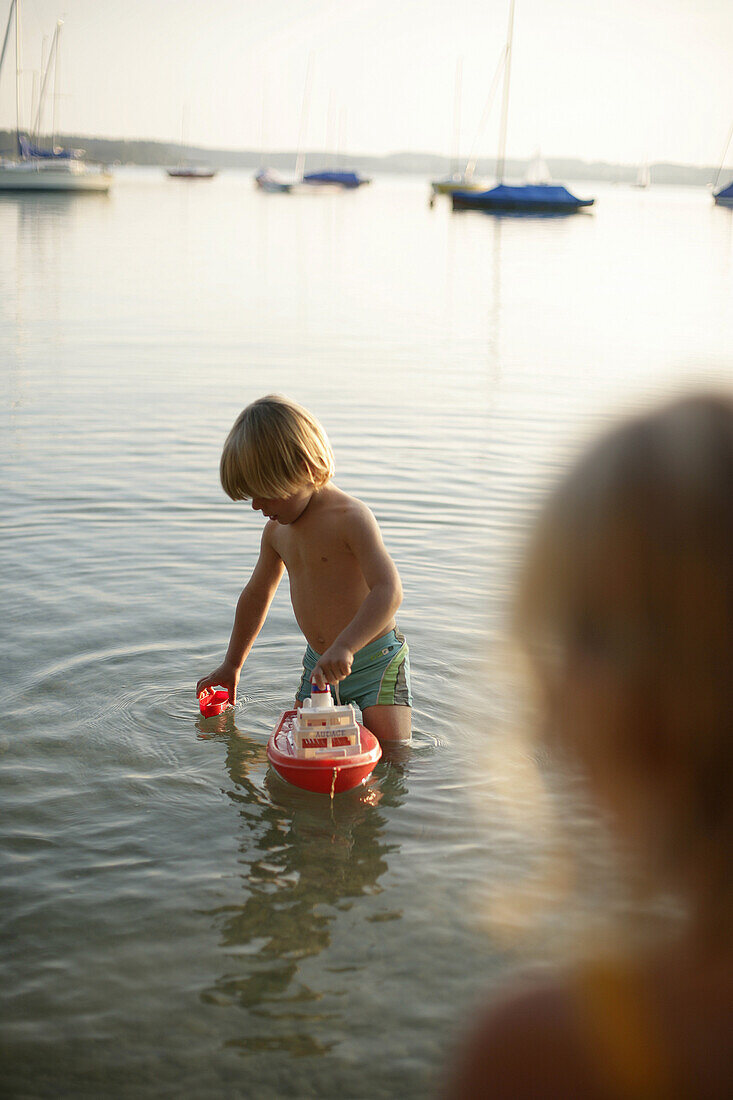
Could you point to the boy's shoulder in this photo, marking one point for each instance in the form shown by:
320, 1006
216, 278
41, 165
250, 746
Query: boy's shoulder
345, 517
343, 504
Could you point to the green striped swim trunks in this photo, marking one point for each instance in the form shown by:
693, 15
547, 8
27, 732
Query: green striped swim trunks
380, 674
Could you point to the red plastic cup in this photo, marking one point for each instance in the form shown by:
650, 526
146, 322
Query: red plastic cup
213, 702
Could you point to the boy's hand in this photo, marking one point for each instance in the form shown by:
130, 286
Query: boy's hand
225, 676
334, 665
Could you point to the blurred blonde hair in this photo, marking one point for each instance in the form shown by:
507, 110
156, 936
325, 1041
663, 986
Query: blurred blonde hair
630, 569
274, 449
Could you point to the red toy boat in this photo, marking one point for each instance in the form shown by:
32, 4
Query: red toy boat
321, 748
213, 702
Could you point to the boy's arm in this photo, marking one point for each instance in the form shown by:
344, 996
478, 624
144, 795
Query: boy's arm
252, 608
378, 609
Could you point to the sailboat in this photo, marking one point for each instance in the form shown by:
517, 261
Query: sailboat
457, 181
267, 179
336, 177
270, 181
538, 170
464, 180
188, 169
643, 177
521, 198
724, 197
35, 168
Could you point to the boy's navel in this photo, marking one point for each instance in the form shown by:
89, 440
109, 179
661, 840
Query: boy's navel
324, 559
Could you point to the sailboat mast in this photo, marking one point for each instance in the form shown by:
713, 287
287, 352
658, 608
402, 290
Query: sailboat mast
456, 152
263, 123
59, 25
341, 139
7, 34
46, 74
17, 75
300, 156
471, 164
725, 154
501, 159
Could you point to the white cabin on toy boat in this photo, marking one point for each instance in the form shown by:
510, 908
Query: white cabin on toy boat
323, 729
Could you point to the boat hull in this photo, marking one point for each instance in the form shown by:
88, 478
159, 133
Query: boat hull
449, 187
347, 181
273, 187
49, 181
191, 173
322, 774
271, 183
529, 199
724, 197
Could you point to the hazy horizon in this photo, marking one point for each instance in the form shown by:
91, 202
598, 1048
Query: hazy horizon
623, 82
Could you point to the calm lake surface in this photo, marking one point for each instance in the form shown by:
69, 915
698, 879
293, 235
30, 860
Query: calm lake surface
177, 921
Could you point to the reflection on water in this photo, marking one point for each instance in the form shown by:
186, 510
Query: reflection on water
304, 859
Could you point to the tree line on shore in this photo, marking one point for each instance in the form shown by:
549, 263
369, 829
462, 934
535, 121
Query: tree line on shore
150, 153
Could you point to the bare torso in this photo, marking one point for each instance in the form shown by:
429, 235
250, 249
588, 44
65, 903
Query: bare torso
327, 585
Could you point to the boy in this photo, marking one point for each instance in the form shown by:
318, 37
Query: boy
344, 586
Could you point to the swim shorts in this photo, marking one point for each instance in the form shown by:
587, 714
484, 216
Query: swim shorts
380, 674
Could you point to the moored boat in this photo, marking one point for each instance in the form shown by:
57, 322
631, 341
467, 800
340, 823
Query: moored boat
59, 175
333, 178
464, 180
525, 198
191, 172
35, 168
724, 197
519, 198
643, 177
459, 182
268, 180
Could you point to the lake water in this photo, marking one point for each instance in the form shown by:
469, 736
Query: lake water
177, 921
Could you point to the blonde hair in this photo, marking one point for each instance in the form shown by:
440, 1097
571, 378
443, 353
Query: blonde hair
630, 568
275, 448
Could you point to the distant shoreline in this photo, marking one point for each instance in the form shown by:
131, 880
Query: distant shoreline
141, 153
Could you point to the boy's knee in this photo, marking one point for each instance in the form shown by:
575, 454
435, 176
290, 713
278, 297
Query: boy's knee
389, 723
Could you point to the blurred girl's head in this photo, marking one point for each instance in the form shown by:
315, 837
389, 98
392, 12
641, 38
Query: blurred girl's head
625, 608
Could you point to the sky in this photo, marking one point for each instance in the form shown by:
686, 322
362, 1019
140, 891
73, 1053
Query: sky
623, 81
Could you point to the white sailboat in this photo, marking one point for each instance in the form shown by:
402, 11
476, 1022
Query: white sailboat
270, 181
464, 179
538, 171
34, 168
643, 177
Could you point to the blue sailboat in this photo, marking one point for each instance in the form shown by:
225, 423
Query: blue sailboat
336, 177
333, 178
521, 198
